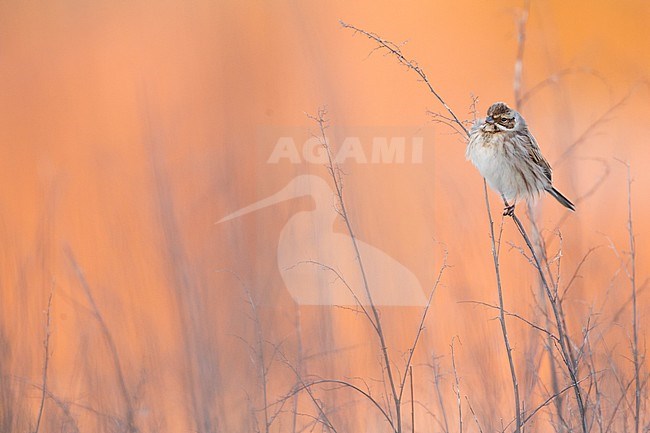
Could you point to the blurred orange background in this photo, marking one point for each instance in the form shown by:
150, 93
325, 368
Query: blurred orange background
130, 128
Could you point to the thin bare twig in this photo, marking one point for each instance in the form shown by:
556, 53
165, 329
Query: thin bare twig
46, 358
471, 409
322, 415
564, 341
502, 319
395, 50
65, 408
576, 273
635, 324
108, 337
340, 277
457, 388
412, 400
519, 62
338, 186
343, 383
554, 79
548, 400
590, 129
411, 64
422, 321
556, 306
436, 381
516, 316
261, 359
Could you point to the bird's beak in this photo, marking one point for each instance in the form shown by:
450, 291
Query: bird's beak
489, 120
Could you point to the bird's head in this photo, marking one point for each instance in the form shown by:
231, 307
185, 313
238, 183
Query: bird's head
501, 118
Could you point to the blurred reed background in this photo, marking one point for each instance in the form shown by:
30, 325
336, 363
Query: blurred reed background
130, 129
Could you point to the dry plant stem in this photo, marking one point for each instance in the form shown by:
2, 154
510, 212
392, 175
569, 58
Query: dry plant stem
298, 368
457, 389
540, 250
555, 78
578, 141
395, 50
46, 361
65, 405
471, 409
396, 391
436, 381
598, 408
519, 63
565, 347
548, 401
553, 397
590, 129
502, 318
537, 240
263, 370
108, 337
338, 186
433, 416
65, 408
322, 416
564, 344
623, 387
554, 373
421, 327
635, 324
516, 316
261, 361
412, 400
201, 376
345, 283
344, 384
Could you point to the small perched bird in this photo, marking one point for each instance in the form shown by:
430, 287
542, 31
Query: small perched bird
508, 157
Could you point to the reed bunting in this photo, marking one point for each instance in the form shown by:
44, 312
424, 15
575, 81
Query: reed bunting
508, 157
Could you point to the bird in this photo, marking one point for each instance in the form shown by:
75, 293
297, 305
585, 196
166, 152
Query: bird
507, 155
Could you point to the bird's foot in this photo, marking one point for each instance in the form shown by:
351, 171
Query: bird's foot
509, 210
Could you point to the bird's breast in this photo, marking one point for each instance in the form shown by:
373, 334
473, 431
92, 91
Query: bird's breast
486, 152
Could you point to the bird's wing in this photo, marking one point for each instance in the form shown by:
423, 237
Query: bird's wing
535, 155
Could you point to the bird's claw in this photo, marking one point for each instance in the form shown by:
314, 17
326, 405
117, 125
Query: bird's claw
509, 210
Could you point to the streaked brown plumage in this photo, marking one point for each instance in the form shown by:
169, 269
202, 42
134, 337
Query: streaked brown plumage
508, 157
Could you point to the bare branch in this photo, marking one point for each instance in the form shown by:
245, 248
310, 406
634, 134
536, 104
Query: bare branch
411, 64
590, 129
550, 399
564, 342
515, 315
108, 337
457, 388
422, 320
345, 384
338, 186
471, 409
635, 323
46, 358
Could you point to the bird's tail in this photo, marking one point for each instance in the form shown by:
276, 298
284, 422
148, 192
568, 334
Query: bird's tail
562, 199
